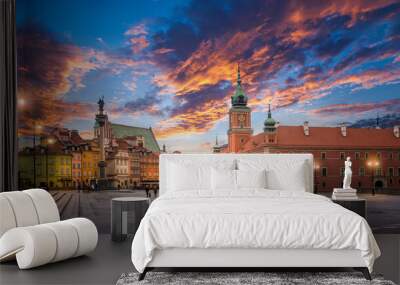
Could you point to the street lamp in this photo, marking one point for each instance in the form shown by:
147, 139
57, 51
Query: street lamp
316, 168
49, 141
37, 130
373, 165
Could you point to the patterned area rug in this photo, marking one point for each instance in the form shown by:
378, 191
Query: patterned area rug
230, 278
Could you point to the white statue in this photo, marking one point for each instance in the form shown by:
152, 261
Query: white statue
347, 174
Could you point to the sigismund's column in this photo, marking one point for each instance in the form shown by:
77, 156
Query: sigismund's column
101, 118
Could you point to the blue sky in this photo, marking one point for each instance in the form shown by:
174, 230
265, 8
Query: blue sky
172, 64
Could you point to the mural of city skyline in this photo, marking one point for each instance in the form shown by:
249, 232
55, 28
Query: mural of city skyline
171, 65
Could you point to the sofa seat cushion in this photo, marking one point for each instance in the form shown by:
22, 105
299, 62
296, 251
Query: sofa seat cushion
41, 244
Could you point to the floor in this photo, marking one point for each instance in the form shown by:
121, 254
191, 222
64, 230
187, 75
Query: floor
111, 259
104, 266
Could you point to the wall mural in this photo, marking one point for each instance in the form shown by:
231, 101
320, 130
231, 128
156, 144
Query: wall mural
105, 88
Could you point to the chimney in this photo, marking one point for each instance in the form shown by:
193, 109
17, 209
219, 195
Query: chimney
306, 128
396, 131
343, 129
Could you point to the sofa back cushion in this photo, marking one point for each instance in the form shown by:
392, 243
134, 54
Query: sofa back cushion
26, 208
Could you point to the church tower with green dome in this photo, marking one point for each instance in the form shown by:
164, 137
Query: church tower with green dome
240, 130
269, 123
270, 128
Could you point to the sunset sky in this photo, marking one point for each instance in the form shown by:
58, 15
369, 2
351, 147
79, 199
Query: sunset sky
172, 64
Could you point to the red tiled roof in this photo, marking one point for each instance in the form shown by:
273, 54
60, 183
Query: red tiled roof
293, 136
76, 139
122, 144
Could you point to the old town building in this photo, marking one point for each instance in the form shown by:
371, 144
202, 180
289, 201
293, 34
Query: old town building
46, 165
375, 152
117, 158
131, 155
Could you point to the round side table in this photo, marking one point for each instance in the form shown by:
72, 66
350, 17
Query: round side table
119, 215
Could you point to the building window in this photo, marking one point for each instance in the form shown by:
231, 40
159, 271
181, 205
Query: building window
391, 155
342, 156
366, 155
391, 172
357, 155
361, 171
378, 171
342, 171
323, 155
378, 155
324, 171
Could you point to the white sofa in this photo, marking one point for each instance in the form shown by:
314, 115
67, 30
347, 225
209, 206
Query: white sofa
31, 230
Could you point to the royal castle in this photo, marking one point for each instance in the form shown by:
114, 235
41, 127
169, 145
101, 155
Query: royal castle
375, 151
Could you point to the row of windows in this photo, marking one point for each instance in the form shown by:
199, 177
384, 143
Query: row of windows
361, 171
121, 162
365, 156
122, 171
359, 183
65, 171
77, 148
62, 160
84, 173
135, 164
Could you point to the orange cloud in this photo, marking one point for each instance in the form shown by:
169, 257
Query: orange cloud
44, 75
196, 121
350, 109
136, 30
302, 13
266, 49
138, 44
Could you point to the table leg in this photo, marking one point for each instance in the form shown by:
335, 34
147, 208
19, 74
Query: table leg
116, 221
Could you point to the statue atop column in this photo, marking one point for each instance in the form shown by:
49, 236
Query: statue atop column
101, 119
101, 104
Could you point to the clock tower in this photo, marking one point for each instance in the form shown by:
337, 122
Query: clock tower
240, 129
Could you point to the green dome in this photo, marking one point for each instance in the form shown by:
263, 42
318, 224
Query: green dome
239, 98
269, 122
